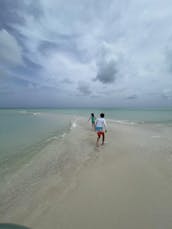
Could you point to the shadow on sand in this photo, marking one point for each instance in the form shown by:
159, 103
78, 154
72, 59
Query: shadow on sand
12, 226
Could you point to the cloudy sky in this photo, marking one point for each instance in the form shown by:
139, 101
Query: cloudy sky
104, 53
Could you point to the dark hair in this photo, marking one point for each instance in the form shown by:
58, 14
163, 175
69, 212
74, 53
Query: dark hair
92, 114
102, 115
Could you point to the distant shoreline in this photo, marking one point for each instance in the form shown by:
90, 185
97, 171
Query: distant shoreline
92, 108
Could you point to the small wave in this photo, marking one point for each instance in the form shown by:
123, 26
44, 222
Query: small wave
55, 137
52, 138
73, 125
36, 113
23, 112
63, 135
126, 122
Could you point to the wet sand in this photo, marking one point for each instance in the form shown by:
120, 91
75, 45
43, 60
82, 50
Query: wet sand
127, 183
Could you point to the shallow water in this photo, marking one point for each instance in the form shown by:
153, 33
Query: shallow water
133, 169
24, 132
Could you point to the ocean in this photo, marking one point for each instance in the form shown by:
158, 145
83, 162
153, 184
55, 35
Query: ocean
45, 154
25, 132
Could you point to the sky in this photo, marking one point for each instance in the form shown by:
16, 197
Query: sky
85, 53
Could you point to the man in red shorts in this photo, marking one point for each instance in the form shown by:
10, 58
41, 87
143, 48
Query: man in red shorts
101, 128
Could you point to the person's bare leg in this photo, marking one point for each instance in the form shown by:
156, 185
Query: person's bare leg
103, 139
97, 143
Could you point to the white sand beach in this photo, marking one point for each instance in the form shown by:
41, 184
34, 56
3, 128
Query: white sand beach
125, 184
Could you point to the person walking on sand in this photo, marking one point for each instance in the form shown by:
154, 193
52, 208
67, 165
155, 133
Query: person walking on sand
93, 118
101, 128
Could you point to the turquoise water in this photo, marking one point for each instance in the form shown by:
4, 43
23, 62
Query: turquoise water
23, 133
163, 116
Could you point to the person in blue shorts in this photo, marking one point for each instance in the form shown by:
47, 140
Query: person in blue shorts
101, 128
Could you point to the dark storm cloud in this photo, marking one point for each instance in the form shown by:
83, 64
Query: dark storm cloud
29, 68
31, 64
12, 80
132, 97
19, 82
107, 72
67, 81
9, 12
13, 11
84, 88
46, 44
34, 8
6, 92
66, 44
62, 42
